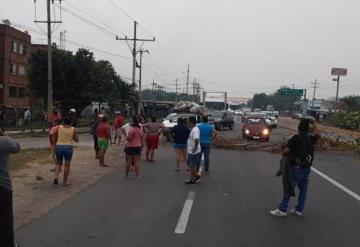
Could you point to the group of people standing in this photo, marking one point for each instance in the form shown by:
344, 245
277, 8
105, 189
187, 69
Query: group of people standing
137, 132
191, 142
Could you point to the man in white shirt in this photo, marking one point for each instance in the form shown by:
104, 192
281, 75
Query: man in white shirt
194, 152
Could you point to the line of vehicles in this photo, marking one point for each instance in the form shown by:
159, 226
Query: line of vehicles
257, 125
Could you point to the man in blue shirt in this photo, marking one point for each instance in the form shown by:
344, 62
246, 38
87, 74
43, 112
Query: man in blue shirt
207, 132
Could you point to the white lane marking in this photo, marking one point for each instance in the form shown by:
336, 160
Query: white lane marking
185, 213
337, 184
200, 170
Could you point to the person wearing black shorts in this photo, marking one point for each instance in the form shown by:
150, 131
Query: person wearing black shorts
135, 136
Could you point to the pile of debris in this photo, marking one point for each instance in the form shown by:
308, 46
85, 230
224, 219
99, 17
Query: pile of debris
192, 107
236, 144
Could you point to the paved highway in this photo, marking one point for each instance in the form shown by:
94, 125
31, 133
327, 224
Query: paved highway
230, 207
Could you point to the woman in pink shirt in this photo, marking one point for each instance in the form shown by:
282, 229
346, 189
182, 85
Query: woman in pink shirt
134, 145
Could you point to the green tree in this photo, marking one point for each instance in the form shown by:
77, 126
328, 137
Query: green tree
260, 101
283, 103
350, 103
78, 80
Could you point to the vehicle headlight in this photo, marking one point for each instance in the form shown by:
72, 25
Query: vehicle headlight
266, 132
247, 131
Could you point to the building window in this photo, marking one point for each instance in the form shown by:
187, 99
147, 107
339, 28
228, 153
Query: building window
13, 46
13, 69
12, 91
22, 49
22, 70
22, 92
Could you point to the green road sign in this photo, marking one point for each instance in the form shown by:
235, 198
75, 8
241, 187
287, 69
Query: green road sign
292, 92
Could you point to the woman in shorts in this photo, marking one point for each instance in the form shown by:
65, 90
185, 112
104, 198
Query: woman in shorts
180, 134
134, 145
152, 131
103, 133
64, 138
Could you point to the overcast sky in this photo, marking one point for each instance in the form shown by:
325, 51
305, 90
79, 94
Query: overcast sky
239, 46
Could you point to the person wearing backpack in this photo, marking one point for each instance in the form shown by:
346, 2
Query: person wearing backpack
300, 152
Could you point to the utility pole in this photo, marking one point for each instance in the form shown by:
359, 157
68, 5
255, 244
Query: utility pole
154, 97
225, 101
49, 50
194, 89
153, 85
187, 79
204, 98
337, 91
141, 51
134, 52
314, 87
176, 92
305, 104
50, 79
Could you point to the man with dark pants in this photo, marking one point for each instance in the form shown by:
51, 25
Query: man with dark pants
194, 152
207, 132
300, 152
7, 145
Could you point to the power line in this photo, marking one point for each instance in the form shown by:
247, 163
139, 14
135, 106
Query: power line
87, 21
95, 17
134, 53
121, 10
71, 42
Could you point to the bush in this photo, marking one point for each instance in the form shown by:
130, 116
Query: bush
350, 121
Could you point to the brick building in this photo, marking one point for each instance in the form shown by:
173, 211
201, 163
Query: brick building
15, 49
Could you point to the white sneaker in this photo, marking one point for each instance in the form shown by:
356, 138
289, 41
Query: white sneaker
296, 213
278, 213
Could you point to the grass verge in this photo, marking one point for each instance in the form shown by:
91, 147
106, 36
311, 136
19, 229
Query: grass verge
21, 159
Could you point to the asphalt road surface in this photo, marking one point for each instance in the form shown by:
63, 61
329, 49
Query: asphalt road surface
230, 207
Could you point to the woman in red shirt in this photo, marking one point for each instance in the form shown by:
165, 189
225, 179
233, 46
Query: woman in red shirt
134, 145
119, 121
103, 133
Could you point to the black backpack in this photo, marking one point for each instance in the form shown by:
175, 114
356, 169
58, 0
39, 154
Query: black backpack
304, 151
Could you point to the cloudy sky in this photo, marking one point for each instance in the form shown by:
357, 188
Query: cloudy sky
239, 46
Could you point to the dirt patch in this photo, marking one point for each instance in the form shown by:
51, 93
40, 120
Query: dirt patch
21, 159
34, 193
324, 144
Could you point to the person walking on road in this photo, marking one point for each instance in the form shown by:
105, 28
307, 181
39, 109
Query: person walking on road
64, 138
27, 118
152, 131
135, 136
51, 118
180, 134
194, 152
119, 121
207, 133
94, 126
52, 139
103, 133
7, 146
300, 152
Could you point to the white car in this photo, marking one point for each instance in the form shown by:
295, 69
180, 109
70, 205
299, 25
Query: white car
271, 119
170, 121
